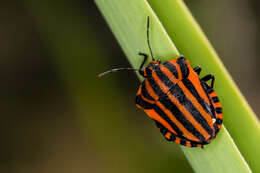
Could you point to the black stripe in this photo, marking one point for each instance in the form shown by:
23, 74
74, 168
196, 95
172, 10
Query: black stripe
215, 99
145, 93
183, 142
216, 129
152, 83
164, 78
216, 132
194, 92
206, 87
167, 119
142, 103
193, 144
219, 110
219, 121
163, 98
177, 92
210, 90
172, 68
184, 68
173, 137
181, 118
163, 130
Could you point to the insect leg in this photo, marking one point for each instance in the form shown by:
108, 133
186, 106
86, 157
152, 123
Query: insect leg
209, 77
141, 66
162, 129
197, 70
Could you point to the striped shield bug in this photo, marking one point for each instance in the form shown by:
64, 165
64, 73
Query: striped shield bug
184, 107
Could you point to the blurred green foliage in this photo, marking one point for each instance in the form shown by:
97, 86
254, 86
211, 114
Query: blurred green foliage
119, 141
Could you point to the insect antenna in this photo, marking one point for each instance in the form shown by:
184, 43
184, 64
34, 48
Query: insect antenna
116, 70
119, 69
148, 40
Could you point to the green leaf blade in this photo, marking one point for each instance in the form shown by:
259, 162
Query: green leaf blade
133, 40
221, 156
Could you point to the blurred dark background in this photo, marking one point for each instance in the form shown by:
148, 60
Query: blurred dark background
57, 116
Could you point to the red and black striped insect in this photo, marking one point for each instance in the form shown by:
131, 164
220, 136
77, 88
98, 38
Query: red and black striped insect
184, 107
